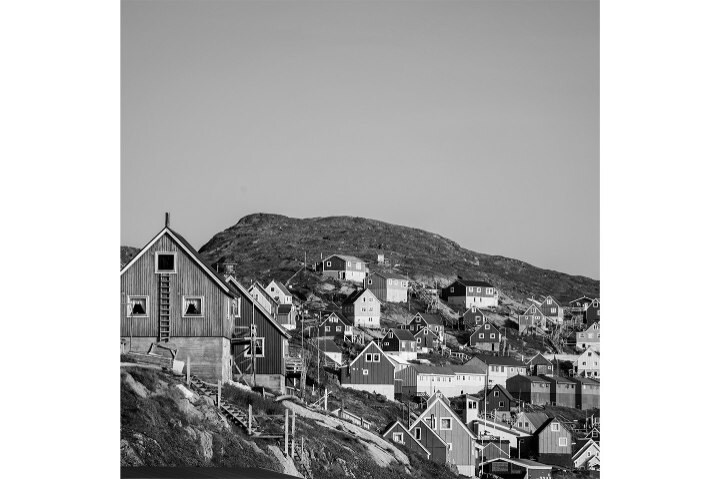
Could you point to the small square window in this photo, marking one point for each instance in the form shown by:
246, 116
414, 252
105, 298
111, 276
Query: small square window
193, 306
398, 437
259, 348
554, 427
445, 424
562, 442
328, 263
376, 357
164, 262
365, 372
501, 404
137, 306
368, 357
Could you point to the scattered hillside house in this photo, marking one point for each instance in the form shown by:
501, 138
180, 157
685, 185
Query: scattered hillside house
529, 389
335, 324
279, 292
370, 371
450, 380
264, 299
500, 402
363, 309
433, 322
587, 365
587, 455
499, 368
388, 287
539, 365
554, 443
592, 312
486, 338
530, 421
472, 318
344, 267
398, 434
532, 319
271, 342
442, 420
171, 296
589, 338
587, 393
399, 342
426, 340
511, 468
330, 350
464, 293
562, 391
552, 310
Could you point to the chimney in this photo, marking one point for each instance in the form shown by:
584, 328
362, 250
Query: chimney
167, 219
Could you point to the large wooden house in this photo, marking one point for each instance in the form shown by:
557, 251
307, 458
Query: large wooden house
442, 420
531, 320
169, 295
451, 380
529, 389
552, 310
539, 365
426, 340
271, 343
587, 393
553, 441
363, 309
334, 324
562, 391
399, 342
431, 321
388, 287
370, 371
464, 294
343, 267
399, 434
431, 441
486, 338
588, 338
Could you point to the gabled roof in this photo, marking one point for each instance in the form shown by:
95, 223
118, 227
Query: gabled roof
388, 275
191, 252
473, 310
544, 300
356, 295
499, 360
482, 330
421, 332
404, 429
281, 287
435, 398
346, 258
236, 286
328, 346
539, 359
428, 369
256, 286
535, 418
504, 427
401, 334
536, 308
592, 326
500, 388
370, 345
527, 463
547, 422
473, 282
429, 318
584, 445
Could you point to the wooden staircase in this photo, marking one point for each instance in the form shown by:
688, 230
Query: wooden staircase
230, 411
164, 331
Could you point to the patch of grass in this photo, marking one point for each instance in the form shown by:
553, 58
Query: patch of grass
242, 399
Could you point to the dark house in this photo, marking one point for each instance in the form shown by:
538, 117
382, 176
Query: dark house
371, 371
472, 318
433, 322
499, 402
587, 393
539, 364
529, 389
399, 342
426, 340
562, 391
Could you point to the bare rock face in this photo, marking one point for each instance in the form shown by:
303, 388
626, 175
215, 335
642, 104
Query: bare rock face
135, 386
206, 445
128, 456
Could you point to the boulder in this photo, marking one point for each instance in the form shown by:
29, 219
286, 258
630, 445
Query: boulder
188, 409
206, 443
178, 391
135, 386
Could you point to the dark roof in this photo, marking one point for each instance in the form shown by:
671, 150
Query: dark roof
584, 380
328, 345
548, 421
558, 379
403, 334
499, 360
340, 316
354, 296
542, 360
472, 282
534, 379
536, 418
388, 275
284, 308
432, 318
420, 332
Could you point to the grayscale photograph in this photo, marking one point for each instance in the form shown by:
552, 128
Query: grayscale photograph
360, 239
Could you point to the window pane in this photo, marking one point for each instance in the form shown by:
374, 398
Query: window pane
166, 262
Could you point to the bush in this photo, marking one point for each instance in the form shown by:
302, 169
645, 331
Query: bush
241, 399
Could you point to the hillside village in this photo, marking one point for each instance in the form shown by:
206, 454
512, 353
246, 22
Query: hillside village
418, 378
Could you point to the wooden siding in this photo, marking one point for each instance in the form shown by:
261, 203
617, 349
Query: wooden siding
408, 377
548, 441
528, 391
407, 439
431, 442
275, 342
462, 452
189, 280
382, 372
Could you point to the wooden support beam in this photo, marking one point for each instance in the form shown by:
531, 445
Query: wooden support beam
287, 414
219, 392
187, 370
249, 428
293, 433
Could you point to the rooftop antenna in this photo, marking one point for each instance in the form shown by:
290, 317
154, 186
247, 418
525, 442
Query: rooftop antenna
167, 219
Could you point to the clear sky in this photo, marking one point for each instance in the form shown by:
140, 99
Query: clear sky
475, 120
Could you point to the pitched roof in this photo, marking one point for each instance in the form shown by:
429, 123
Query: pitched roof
582, 445
584, 380
370, 345
346, 258
281, 287
473, 282
404, 429
428, 369
441, 398
192, 252
535, 418
499, 360
548, 421
388, 275
532, 379
539, 359
259, 288
558, 379
421, 332
431, 318
355, 295
402, 334
533, 306
235, 284
340, 316
527, 463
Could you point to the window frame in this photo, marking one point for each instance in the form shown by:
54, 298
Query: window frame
157, 260
202, 306
562, 440
248, 353
449, 420
554, 427
129, 313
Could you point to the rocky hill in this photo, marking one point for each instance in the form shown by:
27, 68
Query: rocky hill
266, 246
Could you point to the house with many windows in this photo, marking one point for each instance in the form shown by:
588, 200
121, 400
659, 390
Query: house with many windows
486, 338
426, 340
388, 287
431, 321
499, 368
588, 338
587, 365
465, 294
531, 320
451, 380
332, 325
343, 267
372, 371
552, 310
587, 455
363, 309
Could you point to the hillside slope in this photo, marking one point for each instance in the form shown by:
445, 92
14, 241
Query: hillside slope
266, 246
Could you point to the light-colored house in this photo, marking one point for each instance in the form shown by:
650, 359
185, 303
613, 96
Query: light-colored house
465, 294
587, 364
264, 299
442, 420
389, 287
399, 342
330, 350
532, 319
488, 427
552, 310
590, 338
554, 443
279, 292
499, 368
363, 309
587, 455
344, 267
450, 380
